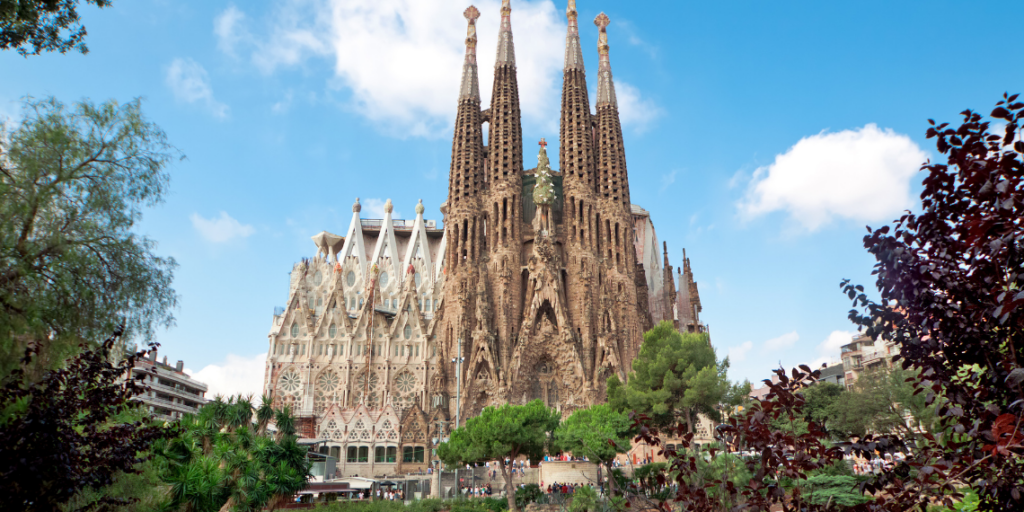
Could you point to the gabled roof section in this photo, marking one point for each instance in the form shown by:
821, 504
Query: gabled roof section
354, 241
418, 246
387, 245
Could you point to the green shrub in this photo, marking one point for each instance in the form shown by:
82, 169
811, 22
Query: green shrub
527, 494
835, 490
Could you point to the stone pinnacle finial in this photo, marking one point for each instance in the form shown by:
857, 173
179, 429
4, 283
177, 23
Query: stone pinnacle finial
388, 207
543, 189
506, 51
573, 52
419, 208
356, 207
470, 79
605, 87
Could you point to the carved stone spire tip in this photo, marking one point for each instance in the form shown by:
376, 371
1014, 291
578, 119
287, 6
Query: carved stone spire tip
570, 10
356, 207
470, 80
602, 21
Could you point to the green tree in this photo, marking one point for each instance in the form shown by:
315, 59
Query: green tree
820, 400
222, 461
74, 430
41, 25
73, 183
598, 433
881, 402
675, 377
498, 432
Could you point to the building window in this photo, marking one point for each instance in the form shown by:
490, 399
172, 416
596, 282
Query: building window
408, 331
332, 331
295, 330
364, 454
412, 454
318, 278
302, 351
378, 454
392, 454
350, 278
417, 350
383, 279
417, 275
352, 457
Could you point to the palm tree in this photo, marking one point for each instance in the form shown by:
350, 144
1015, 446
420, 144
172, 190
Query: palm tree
264, 415
222, 460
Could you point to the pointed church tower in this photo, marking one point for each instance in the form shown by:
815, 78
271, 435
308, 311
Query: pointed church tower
503, 213
615, 244
576, 158
611, 150
463, 227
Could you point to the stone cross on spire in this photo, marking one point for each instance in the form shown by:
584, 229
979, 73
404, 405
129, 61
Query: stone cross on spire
470, 78
543, 143
506, 51
573, 52
605, 87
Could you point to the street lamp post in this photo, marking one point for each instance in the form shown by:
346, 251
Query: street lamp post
458, 398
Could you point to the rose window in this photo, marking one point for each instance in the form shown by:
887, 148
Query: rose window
361, 382
290, 383
405, 382
326, 389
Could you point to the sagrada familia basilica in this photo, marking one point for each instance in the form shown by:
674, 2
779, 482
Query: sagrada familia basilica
540, 284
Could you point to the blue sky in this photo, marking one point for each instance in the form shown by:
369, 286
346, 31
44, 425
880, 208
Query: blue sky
761, 136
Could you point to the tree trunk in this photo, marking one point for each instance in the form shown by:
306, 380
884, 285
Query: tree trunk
510, 492
611, 480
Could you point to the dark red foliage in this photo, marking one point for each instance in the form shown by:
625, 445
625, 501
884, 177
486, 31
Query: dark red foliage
57, 436
783, 454
951, 280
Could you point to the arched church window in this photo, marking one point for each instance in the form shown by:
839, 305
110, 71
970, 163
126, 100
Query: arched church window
553, 394
535, 390
318, 278
417, 277
408, 331
350, 278
295, 330
383, 279
332, 331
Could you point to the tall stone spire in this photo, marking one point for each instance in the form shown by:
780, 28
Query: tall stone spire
605, 87
506, 50
573, 51
611, 157
470, 77
575, 153
466, 174
505, 137
503, 214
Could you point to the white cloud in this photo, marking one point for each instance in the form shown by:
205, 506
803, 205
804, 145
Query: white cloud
190, 83
829, 350
782, 342
862, 174
740, 353
374, 209
635, 111
220, 229
236, 375
230, 30
402, 59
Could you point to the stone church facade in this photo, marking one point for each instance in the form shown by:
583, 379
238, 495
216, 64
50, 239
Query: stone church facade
541, 281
